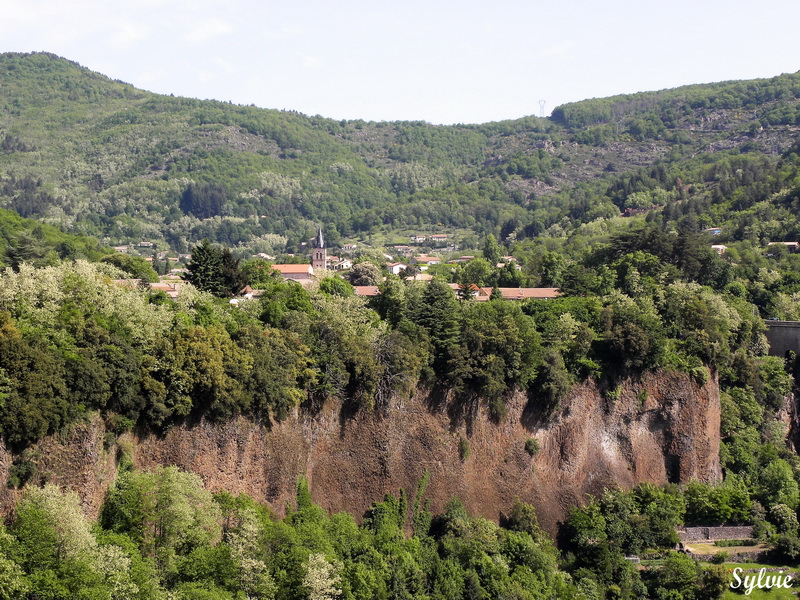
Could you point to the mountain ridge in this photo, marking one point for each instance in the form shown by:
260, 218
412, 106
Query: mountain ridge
116, 160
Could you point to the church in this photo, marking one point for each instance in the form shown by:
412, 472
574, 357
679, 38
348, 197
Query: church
319, 255
304, 273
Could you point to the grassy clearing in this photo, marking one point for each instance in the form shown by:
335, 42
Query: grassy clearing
710, 548
765, 594
776, 594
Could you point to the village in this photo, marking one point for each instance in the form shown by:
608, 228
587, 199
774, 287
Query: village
411, 262
424, 257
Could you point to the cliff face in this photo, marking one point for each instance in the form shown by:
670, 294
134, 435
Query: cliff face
662, 427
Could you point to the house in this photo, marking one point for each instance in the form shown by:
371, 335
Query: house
341, 265
146, 244
404, 250
527, 293
366, 290
121, 248
712, 230
302, 273
419, 239
790, 246
248, 292
438, 238
632, 212
483, 294
128, 283
462, 259
428, 260
395, 268
349, 247
170, 288
502, 265
719, 248
461, 291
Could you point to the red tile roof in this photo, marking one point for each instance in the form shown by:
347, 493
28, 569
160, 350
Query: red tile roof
293, 269
366, 290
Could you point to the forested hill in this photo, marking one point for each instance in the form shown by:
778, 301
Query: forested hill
100, 157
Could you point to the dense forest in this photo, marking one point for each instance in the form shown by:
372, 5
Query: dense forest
616, 202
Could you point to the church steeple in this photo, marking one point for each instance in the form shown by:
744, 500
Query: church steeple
319, 255
320, 243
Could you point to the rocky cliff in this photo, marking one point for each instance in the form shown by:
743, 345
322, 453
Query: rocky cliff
661, 427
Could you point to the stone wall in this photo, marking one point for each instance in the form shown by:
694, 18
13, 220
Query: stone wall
782, 337
711, 534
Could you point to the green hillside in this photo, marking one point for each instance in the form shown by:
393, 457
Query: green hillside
123, 164
26, 240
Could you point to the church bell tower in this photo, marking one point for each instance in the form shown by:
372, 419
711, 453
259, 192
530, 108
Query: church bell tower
319, 255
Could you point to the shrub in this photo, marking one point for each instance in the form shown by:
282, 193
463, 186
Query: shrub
532, 447
641, 396
21, 471
613, 394
463, 449
719, 558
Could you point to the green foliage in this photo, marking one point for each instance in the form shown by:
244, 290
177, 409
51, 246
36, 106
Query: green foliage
103, 158
36, 402
335, 286
282, 371
59, 552
23, 469
204, 200
259, 273
215, 270
778, 485
168, 513
554, 381
532, 447
498, 349
282, 297
364, 273
683, 577
464, 450
134, 266
634, 333
437, 311
491, 250
728, 503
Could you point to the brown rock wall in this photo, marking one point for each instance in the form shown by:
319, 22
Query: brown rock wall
669, 434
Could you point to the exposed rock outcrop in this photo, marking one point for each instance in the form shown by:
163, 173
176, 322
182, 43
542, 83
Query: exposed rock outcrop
661, 427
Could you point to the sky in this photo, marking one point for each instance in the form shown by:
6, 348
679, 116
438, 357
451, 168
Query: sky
439, 61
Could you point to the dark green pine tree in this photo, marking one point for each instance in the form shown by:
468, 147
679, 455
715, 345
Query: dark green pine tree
204, 270
438, 312
232, 279
491, 250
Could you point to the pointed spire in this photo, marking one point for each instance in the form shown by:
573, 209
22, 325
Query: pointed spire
320, 241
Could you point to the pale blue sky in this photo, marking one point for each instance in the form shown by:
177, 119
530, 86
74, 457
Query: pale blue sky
431, 60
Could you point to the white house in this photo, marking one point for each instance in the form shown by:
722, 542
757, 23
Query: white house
395, 268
